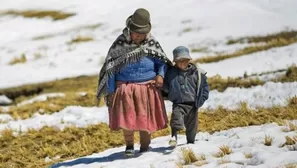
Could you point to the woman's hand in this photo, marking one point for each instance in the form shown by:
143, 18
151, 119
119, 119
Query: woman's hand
159, 81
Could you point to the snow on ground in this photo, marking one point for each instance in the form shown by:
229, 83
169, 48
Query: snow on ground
71, 115
208, 22
4, 100
266, 96
205, 23
41, 98
274, 59
5, 118
244, 140
268, 77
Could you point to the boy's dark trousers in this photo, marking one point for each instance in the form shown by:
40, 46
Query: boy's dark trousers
185, 115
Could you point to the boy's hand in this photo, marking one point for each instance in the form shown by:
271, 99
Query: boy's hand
159, 81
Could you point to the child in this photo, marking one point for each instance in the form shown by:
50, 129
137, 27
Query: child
187, 89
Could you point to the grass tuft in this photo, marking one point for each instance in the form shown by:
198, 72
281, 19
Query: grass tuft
225, 149
19, 60
289, 141
268, 140
188, 156
290, 126
248, 155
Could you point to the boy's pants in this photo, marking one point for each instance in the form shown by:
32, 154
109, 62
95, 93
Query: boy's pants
185, 115
145, 138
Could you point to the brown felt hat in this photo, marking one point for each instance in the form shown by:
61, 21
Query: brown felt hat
139, 22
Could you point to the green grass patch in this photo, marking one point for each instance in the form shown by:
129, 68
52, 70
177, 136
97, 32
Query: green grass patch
281, 39
18, 60
31, 148
55, 15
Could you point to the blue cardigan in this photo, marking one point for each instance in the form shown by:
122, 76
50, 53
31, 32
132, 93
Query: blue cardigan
147, 68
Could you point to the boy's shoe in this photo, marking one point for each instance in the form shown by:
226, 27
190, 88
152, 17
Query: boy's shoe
129, 151
173, 142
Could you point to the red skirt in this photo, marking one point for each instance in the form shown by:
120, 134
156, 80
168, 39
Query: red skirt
137, 106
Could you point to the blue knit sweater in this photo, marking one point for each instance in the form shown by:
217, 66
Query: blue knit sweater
147, 68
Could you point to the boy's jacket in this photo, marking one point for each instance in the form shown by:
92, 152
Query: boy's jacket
187, 87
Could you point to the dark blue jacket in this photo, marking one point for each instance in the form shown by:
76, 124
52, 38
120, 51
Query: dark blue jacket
189, 86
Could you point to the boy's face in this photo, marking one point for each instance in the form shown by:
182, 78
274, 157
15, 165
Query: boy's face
182, 64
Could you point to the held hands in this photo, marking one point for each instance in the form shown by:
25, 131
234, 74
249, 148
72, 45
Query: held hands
158, 81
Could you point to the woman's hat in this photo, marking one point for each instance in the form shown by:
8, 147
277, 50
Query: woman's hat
139, 22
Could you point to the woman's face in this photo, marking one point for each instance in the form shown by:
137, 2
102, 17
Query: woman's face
137, 38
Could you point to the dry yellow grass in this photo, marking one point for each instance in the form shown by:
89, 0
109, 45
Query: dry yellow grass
76, 84
248, 155
19, 60
30, 149
245, 51
225, 149
268, 140
289, 165
224, 161
55, 15
218, 154
53, 105
88, 84
80, 39
65, 32
266, 38
289, 141
289, 126
221, 84
290, 76
188, 156
280, 39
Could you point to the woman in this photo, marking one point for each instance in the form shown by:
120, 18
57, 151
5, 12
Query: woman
130, 80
